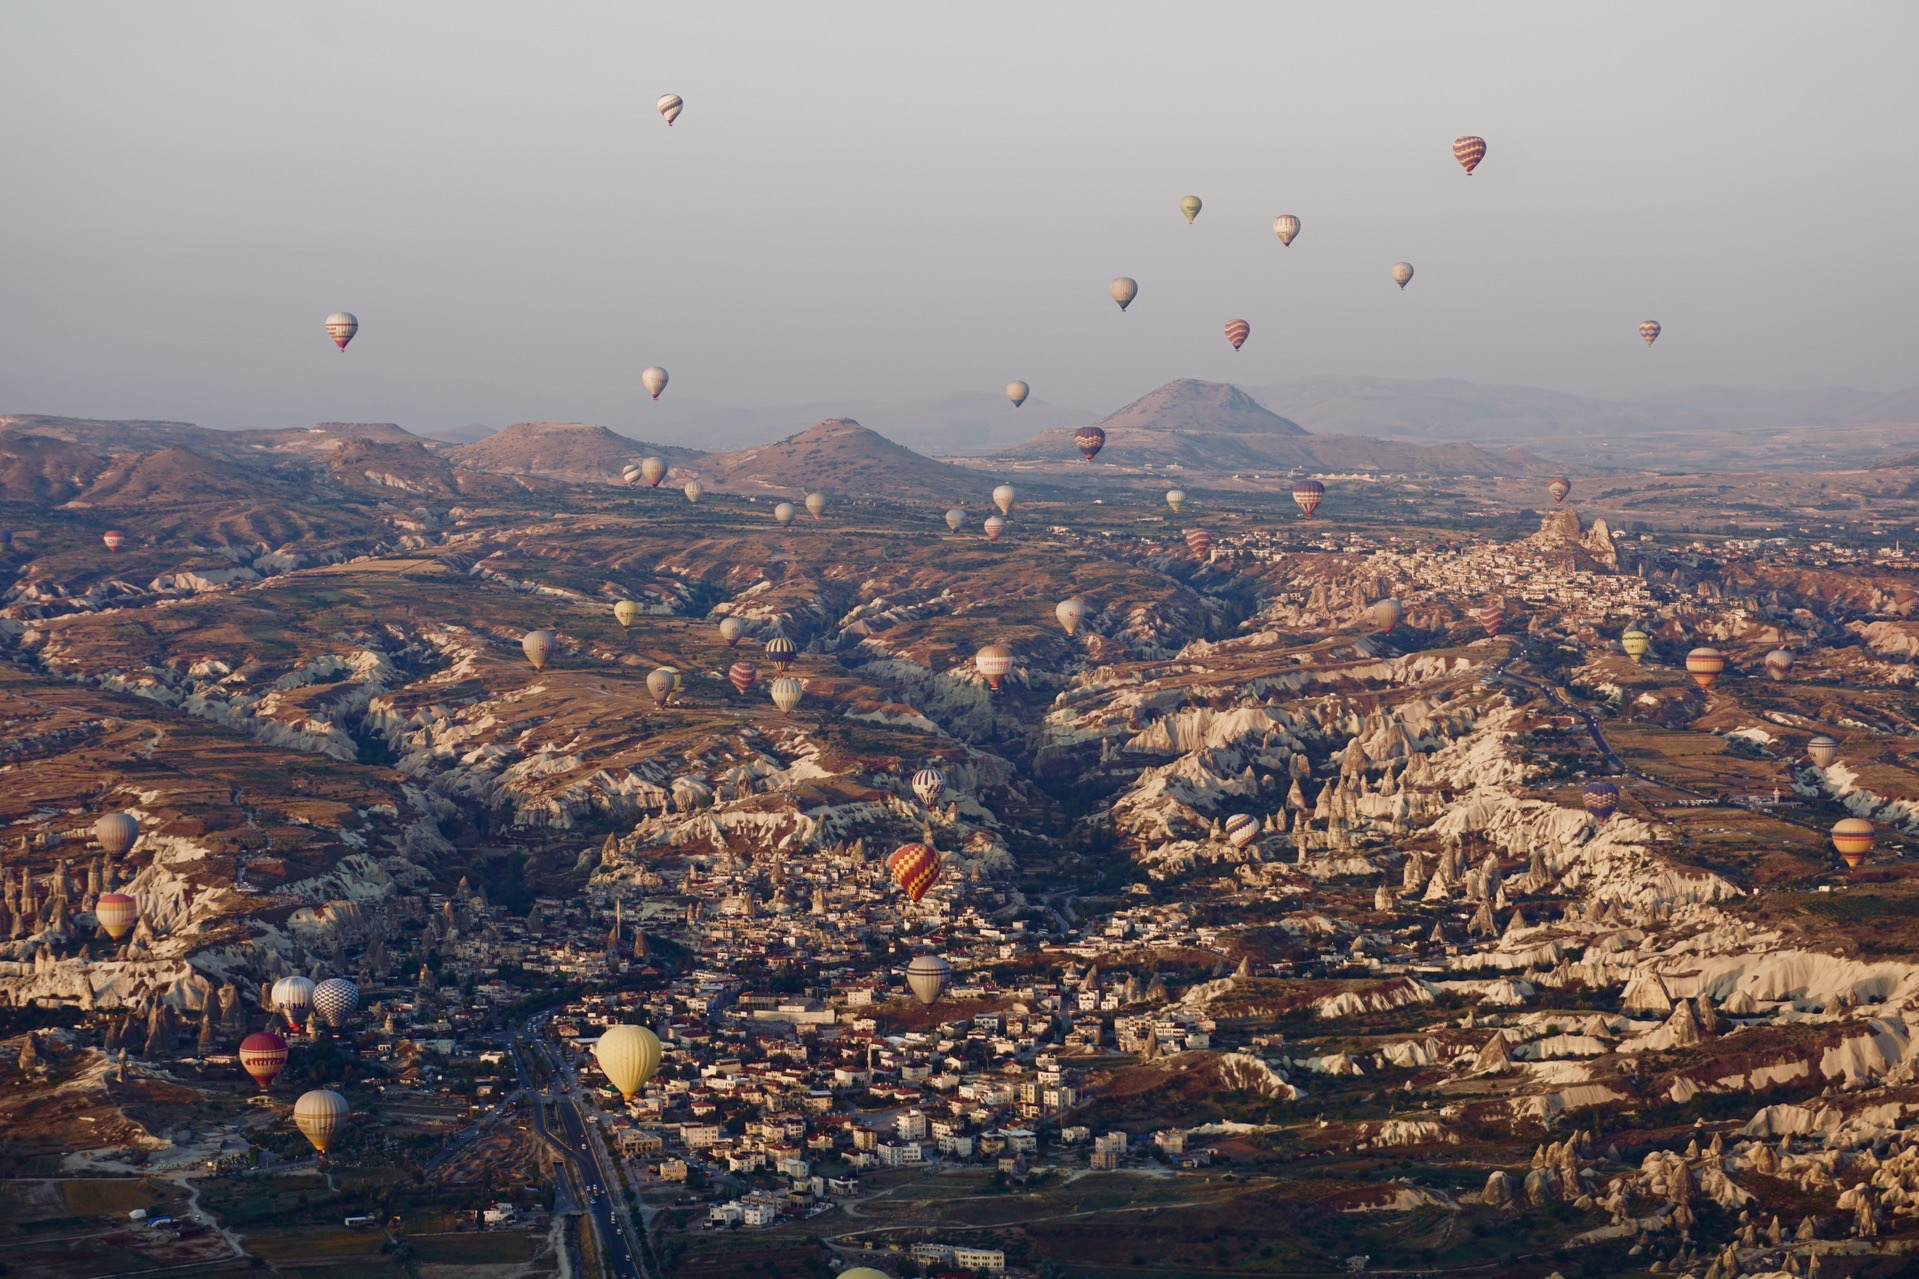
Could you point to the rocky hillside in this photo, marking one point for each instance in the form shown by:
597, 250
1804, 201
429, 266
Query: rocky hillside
841, 457
573, 451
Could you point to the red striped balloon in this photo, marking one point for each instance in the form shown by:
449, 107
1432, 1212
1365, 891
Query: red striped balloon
1469, 151
1649, 331
1307, 495
1237, 331
1089, 440
1492, 617
1199, 542
743, 674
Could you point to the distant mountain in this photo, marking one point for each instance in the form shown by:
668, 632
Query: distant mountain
967, 423
1697, 428
472, 433
838, 457
572, 451
1212, 427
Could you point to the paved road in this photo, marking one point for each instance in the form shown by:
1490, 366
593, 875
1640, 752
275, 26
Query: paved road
600, 1192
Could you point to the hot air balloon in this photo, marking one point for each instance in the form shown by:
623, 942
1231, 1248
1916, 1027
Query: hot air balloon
1602, 801
1124, 290
1174, 497
731, 628
1241, 829
321, 1115
1704, 665
1387, 614
816, 504
929, 784
1469, 151
994, 526
1003, 498
654, 380
1070, 613
630, 474
1190, 207
786, 693
1779, 663
1286, 226
1636, 643
116, 833
781, 652
114, 539
1559, 487
1852, 837
341, 326
652, 471
1649, 331
293, 998
626, 612
695, 491
915, 868
742, 675
263, 1055
1089, 440
670, 106
117, 913
994, 661
335, 1000
955, 518
1492, 617
1307, 495
1237, 331
1017, 392
1822, 751
661, 683
783, 514
538, 646
927, 975
1402, 273
628, 1055
1199, 542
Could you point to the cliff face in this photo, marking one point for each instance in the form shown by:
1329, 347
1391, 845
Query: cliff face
1561, 532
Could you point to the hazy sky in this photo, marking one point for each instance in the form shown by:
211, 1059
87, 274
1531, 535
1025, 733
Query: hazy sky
895, 200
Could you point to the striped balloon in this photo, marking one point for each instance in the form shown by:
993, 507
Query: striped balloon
1705, 665
742, 674
263, 1055
1852, 837
670, 106
786, 693
929, 784
1307, 494
114, 539
1492, 617
1199, 542
927, 976
1242, 830
1285, 226
781, 652
1779, 663
1387, 614
1602, 800
1649, 331
995, 662
1089, 440
1469, 151
1822, 751
994, 527
116, 833
341, 326
1237, 331
117, 913
915, 868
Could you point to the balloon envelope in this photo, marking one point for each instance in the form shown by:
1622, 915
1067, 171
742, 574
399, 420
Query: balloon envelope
670, 106
1402, 273
654, 380
695, 491
116, 833
263, 1055
321, 1115
1174, 497
1559, 487
114, 539
1285, 226
786, 693
1124, 290
1237, 331
1705, 665
1469, 151
1070, 613
731, 628
1387, 614
1089, 440
293, 998
915, 868
1822, 751
1602, 800
742, 675
341, 326
117, 913
1241, 829
995, 662
1003, 497
994, 526
626, 612
928, 785
955, 518
1307, 495
335, 1000
628, 1055
1199, 542
1853, 838
1649, 331
1779, 663
1017, 392
538, 646
781, 652
1636, 643
816, 504
652, 471
784, 513
927, 976
661, 684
